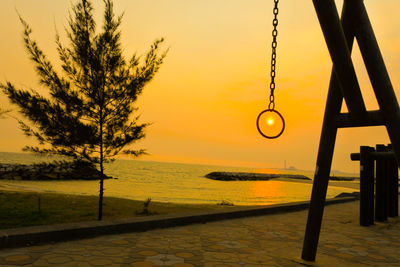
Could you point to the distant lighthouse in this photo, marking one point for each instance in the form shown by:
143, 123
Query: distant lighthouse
284, 165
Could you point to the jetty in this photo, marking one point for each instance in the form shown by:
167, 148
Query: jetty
250, 176
62, 170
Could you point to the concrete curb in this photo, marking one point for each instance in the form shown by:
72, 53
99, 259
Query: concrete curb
33, 235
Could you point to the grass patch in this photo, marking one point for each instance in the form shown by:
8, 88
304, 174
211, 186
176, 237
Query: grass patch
18, 209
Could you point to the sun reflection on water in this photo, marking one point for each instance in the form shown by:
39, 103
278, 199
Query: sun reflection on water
180, 183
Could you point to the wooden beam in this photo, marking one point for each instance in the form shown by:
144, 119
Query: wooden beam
374, 155
370, 118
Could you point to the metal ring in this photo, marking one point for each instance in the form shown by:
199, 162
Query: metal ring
258, 122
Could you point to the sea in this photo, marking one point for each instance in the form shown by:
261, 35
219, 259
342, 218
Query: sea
174, 183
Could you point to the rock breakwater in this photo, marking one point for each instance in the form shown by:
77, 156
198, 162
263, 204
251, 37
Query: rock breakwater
249, 176
343, 178
50, 171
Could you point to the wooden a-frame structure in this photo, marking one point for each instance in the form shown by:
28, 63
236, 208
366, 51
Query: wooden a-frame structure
339, 36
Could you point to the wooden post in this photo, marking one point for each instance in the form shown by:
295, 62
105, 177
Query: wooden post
388, 174
367, 170
370, 177
381, 187
393, 187
364, 220
371, 185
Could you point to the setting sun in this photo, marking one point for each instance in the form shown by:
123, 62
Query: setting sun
216, 71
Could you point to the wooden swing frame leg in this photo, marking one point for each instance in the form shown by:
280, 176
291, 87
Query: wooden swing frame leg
325, 154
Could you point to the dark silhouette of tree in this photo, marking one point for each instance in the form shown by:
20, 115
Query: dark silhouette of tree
88, 115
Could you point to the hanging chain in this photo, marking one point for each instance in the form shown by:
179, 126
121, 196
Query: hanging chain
271, 104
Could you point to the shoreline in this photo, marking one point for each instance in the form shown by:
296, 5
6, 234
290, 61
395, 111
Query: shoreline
338, 184
344, 184
179, 183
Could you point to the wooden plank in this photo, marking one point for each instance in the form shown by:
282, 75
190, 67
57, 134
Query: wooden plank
370, 118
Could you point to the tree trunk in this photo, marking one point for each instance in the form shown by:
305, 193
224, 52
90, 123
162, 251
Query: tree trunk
101, 190
101, 168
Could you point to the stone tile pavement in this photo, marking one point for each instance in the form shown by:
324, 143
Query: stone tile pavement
272, 240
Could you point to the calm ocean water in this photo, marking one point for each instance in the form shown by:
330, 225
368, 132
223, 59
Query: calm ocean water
172, 182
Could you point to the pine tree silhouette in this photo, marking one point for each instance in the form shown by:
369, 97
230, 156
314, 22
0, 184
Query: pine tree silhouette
88, 114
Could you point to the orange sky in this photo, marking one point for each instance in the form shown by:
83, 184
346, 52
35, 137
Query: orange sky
204, 101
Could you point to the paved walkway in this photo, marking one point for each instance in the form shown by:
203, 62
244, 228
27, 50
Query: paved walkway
273, 240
